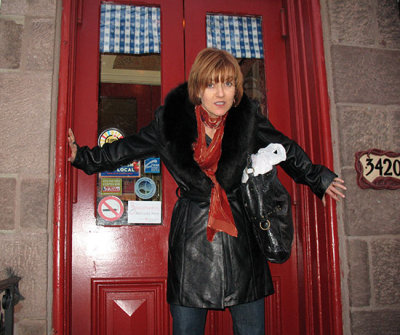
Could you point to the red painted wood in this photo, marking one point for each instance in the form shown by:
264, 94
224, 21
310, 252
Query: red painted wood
332, 268
273, 309
287, 321
319, 268
60, 315
129, 306
129, 251
317, 274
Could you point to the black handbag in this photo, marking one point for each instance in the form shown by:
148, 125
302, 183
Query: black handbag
268, 207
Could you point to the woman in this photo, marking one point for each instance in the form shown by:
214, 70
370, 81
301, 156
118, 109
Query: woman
203, 134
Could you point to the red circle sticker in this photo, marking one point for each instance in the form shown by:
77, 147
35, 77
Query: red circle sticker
110, 208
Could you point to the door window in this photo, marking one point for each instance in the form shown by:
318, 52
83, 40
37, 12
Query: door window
129, 29
242, 37
129, 91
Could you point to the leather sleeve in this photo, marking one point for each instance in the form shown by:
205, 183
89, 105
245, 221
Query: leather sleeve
297, 165
113, 155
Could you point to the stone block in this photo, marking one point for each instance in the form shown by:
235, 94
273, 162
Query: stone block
38, 44
388, 19
29, 7
369, 212
34, 202
363, 128
27, 256
31, 327
7, 203
386, 270
10, 43
366, 75
359, 283
25, 112
379, 322
352, 22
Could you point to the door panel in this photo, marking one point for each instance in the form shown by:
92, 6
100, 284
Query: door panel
282, 307
129, 306
119, 272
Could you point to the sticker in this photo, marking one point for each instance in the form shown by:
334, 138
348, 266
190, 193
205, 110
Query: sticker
132, 171
111, 186
152, 165
108, 136
110, 208
145, 188
128, 186
144, 212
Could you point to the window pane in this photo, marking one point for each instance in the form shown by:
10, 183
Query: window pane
242, 37
129, 92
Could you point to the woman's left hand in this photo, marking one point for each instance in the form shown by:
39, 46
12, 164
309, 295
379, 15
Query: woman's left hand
335, 190
72, 145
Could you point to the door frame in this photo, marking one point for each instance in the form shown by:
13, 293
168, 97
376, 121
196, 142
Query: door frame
319, 266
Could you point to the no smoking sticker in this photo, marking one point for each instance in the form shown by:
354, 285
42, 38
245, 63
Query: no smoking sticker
110, 208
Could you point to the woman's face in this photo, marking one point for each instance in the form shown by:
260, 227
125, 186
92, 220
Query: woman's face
217, 98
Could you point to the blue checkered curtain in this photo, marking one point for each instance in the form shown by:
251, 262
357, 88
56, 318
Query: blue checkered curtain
129, 29
239, 35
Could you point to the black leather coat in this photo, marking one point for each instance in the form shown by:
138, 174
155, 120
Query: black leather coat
229, 270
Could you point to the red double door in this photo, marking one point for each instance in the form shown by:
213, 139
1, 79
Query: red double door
119, 272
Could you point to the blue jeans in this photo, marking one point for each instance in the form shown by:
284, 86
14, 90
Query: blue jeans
248, 319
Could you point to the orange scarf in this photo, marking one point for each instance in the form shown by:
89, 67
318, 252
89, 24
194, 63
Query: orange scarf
220, 216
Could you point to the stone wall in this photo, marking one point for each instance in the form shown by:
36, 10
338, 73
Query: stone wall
362, 45
27, 101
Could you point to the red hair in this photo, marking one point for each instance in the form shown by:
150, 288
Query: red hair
213, 65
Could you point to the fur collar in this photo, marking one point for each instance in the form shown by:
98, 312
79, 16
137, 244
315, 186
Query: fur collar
180, 131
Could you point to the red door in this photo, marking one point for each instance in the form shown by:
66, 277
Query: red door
118, 271
282, 307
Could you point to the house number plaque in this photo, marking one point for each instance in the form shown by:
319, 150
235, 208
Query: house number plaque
378, 169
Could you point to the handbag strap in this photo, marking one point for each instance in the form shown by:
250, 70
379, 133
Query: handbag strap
249, 166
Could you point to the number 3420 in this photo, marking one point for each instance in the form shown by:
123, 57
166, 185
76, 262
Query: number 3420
383, 166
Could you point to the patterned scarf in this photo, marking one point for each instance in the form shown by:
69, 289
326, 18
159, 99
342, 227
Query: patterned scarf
220, 216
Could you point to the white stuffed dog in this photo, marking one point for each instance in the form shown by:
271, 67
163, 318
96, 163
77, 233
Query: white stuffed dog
265, 159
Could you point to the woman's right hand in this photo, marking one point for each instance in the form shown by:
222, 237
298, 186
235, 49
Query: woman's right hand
72, 144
